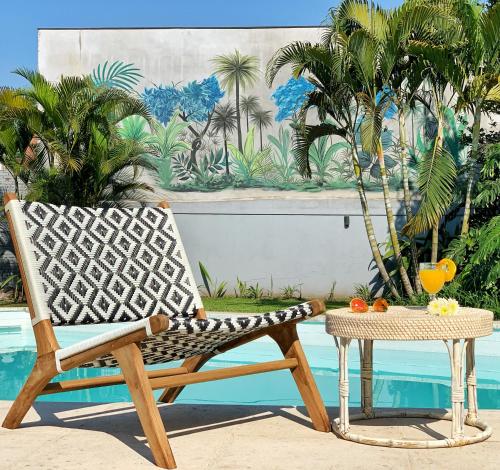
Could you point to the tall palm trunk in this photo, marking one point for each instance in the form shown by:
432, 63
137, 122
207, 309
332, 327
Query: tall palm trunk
435, 243
406, 192
476, 129
260, 131
238, 114
438, 144
370, 232
248, 122
391, 222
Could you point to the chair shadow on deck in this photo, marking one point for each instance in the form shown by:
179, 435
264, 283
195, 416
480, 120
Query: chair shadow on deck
122, 422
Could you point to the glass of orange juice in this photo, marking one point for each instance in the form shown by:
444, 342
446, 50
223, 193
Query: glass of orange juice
432, 276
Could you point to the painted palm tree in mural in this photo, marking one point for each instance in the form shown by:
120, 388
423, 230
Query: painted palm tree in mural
237, 72
262, 119
224, 120
248, 105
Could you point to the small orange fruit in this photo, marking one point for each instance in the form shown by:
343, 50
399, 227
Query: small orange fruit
380, 305
358, 305
451, 268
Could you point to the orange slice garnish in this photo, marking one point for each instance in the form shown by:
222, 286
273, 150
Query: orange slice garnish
451, 268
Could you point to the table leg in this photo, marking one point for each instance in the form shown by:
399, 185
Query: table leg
471, 382
344, 384
456, 352
366, 365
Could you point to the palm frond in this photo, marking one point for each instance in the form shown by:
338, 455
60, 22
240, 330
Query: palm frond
117, 75
305, 135
436, 181
294, 55
236, 67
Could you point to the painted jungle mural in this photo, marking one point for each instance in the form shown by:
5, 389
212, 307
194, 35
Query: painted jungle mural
213, 133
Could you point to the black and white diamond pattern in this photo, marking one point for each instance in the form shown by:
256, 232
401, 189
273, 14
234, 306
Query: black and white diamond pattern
186, 337
109, 265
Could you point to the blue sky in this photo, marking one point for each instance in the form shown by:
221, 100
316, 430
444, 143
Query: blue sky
20, 19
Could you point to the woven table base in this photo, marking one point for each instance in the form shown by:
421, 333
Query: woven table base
485, 433
411, 324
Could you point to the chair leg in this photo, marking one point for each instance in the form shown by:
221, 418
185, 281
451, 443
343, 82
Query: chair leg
192, 364
290, 346
43, 371
130, 361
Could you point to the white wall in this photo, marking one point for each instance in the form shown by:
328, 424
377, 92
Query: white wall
297, 241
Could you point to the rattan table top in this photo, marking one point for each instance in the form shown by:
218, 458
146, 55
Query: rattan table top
409, 324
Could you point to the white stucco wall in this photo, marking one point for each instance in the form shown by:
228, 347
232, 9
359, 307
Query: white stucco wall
173, 55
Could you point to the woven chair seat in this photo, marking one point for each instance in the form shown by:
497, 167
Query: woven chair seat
186, 337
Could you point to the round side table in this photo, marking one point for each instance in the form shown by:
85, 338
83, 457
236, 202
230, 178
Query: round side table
411, 324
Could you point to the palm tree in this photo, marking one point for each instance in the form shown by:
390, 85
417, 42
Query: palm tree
350, 68
16, 150
79, 156
224, 119
467, 55
263, 119
377, 44
237, 72
334, 97
248, 105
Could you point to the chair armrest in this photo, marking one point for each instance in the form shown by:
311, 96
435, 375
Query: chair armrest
318, 307
89, 349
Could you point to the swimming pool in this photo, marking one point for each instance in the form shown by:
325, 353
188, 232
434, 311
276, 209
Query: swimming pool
406, 374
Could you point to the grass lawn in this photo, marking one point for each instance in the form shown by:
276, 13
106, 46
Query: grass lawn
12, 304
244, 305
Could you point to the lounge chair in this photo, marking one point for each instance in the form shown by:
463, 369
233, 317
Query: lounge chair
85, 266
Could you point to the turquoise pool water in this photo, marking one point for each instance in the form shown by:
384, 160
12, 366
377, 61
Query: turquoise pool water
406, 374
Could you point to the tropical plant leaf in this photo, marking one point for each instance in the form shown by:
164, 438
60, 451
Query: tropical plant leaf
436, 182
183, 167
205, 276
166, 140
117, 75
134, 128
251, 164
305, 136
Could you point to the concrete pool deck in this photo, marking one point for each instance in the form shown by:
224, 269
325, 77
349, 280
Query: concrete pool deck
108, 436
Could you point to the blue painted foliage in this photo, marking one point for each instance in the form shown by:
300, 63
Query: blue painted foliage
291, 96
195, 101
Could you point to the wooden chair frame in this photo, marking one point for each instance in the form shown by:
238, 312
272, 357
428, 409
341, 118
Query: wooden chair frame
141, 383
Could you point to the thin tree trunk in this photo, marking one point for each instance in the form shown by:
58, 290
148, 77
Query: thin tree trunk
225, 149
196, 144
476, 129
438, 144
435, 243
16, 186
248, 123
391, 222
260, 130
370, 232
406, 193
238, 114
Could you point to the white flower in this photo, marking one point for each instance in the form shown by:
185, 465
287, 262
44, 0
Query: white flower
433, 307
444, 310
453, 306
443, 307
